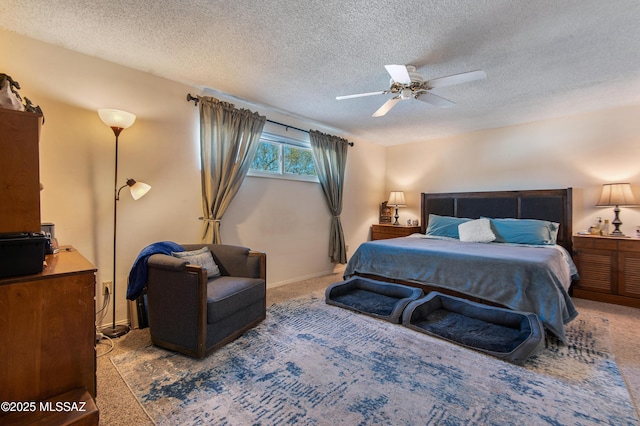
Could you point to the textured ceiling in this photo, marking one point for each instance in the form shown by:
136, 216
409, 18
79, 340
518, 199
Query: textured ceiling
543, 58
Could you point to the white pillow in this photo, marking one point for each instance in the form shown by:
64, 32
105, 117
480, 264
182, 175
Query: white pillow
201, 257
476, 231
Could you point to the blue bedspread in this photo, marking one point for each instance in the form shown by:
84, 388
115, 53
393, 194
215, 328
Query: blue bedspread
524, 278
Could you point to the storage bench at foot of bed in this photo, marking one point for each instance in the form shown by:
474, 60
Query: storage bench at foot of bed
378, 299
511, 335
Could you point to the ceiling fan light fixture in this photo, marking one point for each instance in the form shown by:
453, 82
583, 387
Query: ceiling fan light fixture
407, 83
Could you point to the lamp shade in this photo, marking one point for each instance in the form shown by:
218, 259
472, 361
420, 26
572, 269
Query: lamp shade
138, 189
396, 198
616, 194
116, 118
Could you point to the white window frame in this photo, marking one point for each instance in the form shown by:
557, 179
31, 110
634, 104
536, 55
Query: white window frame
281, 142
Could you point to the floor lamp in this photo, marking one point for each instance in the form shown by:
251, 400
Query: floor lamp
118, 121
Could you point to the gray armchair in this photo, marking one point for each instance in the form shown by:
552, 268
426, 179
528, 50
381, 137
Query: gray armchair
194, 315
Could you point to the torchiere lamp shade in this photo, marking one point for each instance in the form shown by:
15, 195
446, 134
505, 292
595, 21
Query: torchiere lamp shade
116, 119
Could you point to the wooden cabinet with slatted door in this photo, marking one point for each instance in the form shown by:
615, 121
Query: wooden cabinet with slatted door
609, 269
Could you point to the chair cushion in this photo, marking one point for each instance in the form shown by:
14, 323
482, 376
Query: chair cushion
228, 295
201, 257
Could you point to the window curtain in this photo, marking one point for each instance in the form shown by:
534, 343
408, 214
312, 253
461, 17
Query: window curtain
229, 138
330, 159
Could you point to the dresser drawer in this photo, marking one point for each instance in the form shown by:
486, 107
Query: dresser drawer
632, 245
594, 242
384, 231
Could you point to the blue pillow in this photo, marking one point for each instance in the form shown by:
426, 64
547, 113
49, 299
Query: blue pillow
525, 231
444, 226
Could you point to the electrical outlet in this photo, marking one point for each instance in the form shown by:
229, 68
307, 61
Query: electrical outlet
107, 287
346, 247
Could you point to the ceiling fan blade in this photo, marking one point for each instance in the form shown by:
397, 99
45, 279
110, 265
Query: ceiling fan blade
399, 73
456, 79
386, 107
360, 95
434, 99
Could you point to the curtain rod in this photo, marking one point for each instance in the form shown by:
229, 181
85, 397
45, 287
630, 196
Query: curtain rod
196, 100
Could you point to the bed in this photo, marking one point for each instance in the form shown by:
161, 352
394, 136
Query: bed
532, 277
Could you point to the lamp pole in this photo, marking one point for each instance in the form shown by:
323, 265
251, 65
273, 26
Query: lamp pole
118, 121
115, 331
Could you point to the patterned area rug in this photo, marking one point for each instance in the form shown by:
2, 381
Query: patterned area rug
310, 363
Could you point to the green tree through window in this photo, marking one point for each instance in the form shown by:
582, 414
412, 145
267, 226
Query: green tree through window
282, 157
267, 158
298, 161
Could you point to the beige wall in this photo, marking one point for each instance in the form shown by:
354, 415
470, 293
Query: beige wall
289, 220
581, 152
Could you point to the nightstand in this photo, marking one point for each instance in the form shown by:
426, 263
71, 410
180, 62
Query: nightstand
609, 269
384, 231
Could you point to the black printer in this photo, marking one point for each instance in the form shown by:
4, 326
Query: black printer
22, 253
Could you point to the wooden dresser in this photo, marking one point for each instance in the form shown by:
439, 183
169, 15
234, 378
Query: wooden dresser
384, 231
609, 269
19, 171
47, 335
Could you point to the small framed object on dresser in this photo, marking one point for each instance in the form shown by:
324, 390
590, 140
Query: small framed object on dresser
609, 269
386, 213
385, 231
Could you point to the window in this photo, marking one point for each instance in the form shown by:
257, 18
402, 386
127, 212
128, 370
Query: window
285, 158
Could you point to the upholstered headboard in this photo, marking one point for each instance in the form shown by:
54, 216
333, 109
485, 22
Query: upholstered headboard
546, 204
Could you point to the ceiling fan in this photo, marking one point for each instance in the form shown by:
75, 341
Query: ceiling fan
406, 83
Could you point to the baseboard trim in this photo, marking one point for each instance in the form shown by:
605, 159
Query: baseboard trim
337, 269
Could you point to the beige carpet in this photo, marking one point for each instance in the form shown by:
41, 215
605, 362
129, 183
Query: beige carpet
119, 407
